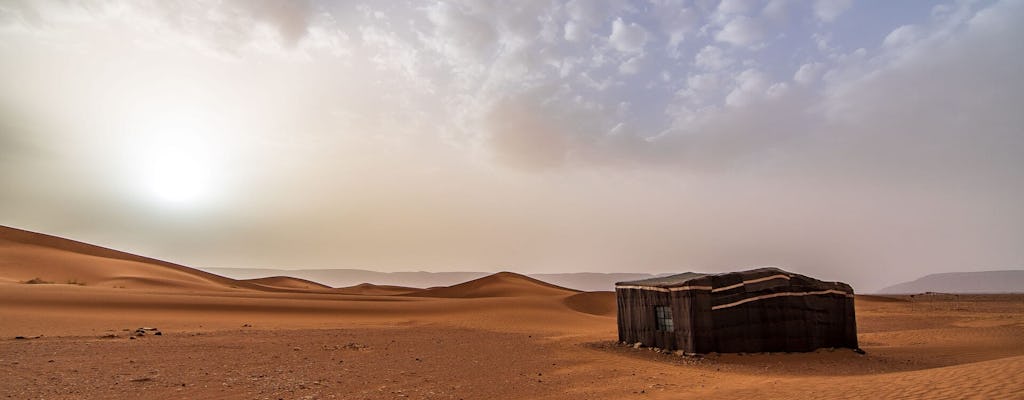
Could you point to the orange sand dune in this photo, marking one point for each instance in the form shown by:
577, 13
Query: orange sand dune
596, 303
502, 284
287, 283
28, 256
370, 289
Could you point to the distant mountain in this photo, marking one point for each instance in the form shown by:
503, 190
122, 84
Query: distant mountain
1011, 281
586, 281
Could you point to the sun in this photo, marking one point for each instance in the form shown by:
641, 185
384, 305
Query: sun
177, 167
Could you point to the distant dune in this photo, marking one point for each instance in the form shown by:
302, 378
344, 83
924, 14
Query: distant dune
287, 282
586, 281
369, 289
1010, 281
502, 284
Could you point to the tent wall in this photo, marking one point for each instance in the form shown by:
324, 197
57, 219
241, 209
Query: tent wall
754, 311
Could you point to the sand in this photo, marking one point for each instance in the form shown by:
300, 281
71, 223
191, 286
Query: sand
503, 337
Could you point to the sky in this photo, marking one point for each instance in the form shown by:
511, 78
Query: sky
871, 142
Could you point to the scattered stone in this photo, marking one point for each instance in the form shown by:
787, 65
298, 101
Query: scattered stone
247, 325
145, 379
678, 352
355, 346
859, 351
158, 333
637, 345
109, 336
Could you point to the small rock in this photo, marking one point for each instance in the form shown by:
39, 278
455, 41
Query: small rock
637, 345
158, 333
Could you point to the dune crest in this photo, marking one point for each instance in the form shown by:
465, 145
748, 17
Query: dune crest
501, 284
31, 256
287, 283
369, 289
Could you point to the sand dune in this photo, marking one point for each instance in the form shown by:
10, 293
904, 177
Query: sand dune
35, 257
28, 255
502, 284
287, 283
370, 289
596, 303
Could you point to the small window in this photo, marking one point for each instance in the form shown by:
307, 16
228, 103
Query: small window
663, 315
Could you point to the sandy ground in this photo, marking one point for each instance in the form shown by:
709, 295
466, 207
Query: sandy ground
501, 337
293, 345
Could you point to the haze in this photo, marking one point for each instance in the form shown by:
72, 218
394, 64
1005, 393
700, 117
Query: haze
868, 142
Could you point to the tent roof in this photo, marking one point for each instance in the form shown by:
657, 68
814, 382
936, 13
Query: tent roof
688, 277
665, 281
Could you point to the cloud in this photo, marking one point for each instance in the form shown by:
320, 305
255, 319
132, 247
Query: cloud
901, 36
627, 37
735, 6
451, 130
808, 73
741, 31
712, 58
461, 34
829, 10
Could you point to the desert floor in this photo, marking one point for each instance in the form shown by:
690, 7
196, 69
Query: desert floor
531, 343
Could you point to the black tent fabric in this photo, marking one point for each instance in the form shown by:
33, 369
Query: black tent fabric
760, 310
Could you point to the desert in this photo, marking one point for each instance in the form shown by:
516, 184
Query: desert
527, 199
501, 336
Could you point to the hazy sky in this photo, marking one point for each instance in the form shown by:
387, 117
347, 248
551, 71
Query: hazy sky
863, 141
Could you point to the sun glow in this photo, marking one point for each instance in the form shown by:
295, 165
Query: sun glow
176, 164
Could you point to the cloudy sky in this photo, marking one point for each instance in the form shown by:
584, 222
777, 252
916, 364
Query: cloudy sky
864, 141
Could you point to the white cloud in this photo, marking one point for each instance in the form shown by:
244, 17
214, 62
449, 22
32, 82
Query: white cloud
749, 84
631, 66
901, 36
735, 6
741, 31
627, 37
573, 31
808, 73
460, 34
829, 10
712, 58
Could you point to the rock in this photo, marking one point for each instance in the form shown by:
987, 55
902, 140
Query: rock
678, 352
158, 333
247, 325
637, 345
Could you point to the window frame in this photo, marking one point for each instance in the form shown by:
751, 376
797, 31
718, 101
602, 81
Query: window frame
663, 320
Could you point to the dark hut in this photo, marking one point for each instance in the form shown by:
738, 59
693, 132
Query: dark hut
760, 310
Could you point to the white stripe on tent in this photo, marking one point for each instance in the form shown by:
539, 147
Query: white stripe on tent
666, 290
682, 288
768, 296
767, 278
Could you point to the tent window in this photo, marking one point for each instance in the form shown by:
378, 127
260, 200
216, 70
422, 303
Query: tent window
664, 318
